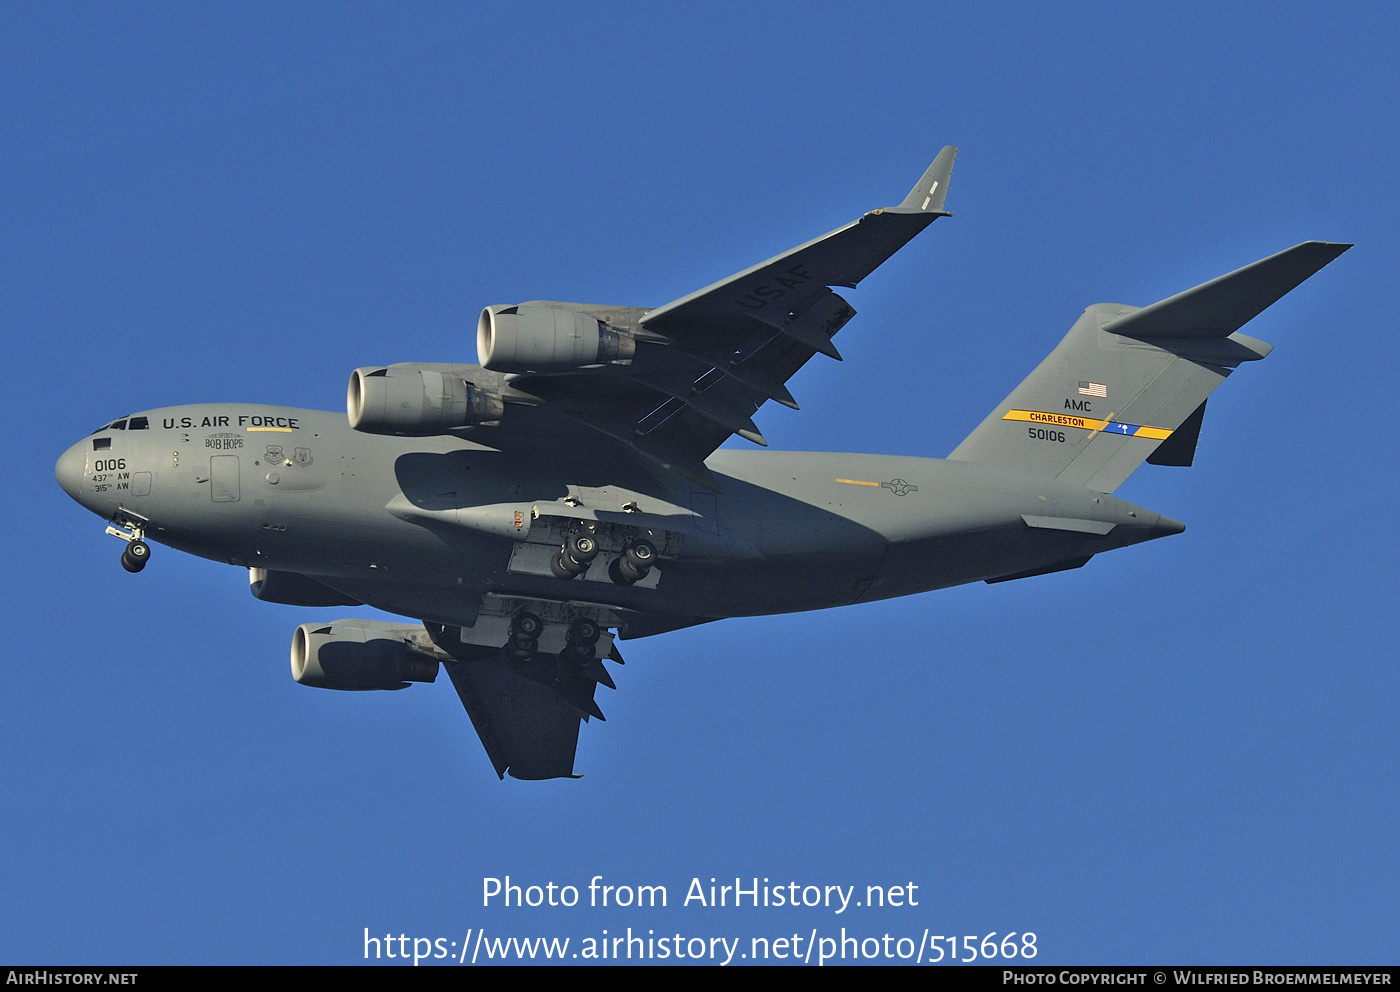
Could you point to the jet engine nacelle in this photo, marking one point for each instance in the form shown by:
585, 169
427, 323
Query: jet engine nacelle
356, 655
546, 339
416, 402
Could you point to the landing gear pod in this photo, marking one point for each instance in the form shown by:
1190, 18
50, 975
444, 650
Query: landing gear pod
292, 589
546, 339
416, 402
356, 655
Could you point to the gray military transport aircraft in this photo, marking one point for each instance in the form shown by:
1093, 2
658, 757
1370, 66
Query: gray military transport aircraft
570, 489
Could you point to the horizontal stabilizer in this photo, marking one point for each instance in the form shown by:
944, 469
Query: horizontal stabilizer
1222, 306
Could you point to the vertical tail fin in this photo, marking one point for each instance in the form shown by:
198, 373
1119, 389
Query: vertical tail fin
1127, 382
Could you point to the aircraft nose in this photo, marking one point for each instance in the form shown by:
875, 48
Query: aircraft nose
69, 470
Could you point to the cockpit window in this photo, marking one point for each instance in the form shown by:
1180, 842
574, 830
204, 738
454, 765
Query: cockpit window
136, 424
101, 443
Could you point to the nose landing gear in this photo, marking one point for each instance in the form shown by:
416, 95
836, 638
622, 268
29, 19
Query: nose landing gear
137, 551
135, 556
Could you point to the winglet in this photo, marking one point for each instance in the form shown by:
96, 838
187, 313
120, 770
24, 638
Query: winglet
931, 190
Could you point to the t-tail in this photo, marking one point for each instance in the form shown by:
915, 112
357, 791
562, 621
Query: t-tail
1129, 384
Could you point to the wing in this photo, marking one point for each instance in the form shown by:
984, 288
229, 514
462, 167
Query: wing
773, 291
706, 362
526, 729
527, 716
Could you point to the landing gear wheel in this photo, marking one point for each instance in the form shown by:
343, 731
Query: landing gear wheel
527, 626
578, 653
135, 556
565, 567
624, 573
520, 651
582, 548
585, 631
641, 555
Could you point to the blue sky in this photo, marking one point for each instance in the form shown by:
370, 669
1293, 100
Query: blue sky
1185, 752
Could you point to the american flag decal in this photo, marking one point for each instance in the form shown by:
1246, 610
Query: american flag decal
1093, 389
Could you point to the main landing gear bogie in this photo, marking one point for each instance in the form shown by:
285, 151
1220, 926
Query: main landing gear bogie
581, 548
575, 556
525, 630
580, 641
634, 563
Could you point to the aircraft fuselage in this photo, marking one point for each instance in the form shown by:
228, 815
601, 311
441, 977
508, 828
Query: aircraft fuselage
405, 523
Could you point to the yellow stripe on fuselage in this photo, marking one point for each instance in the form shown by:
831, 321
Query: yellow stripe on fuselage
859, 482
1088, 424
284, 430
1156, 433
